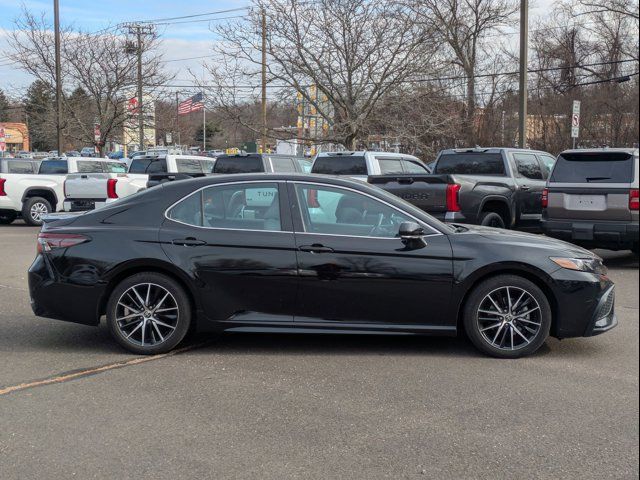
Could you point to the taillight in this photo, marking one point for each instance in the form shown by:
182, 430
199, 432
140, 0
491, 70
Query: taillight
50, 241
453, 197
2, 192
545, 198
634, 199
312, 198
111, 188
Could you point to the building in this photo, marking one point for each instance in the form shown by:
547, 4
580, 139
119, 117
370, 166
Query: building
16, 136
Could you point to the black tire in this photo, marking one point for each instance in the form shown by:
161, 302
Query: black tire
492, 219
509, 323
7, 218
170, 338
33, 209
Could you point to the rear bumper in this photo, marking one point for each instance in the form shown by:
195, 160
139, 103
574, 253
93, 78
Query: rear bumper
450, 217
6, 203
50, 294
598, 234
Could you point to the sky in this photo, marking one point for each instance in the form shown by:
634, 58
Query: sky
180, 41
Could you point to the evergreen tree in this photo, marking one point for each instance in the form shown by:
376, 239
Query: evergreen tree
39, 103
4, 107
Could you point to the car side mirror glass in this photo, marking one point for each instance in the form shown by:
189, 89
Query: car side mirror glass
410, 231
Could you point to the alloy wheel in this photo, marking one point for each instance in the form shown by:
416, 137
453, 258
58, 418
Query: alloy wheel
509, 318
146, 314
37, 211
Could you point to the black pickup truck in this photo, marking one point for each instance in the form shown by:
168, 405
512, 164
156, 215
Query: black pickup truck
497, 187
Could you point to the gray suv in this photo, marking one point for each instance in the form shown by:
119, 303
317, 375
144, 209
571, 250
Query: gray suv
592, 198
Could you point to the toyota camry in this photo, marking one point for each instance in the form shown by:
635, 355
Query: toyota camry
300, 253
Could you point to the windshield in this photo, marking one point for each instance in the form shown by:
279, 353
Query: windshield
471, 163
340, 165
594, 167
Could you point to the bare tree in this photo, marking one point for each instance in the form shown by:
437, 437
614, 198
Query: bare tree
463, 27
627, 8
97, 63
340, 56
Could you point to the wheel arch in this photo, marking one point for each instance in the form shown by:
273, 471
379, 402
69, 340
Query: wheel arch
45, 192
500, 205
538, 277
127, 269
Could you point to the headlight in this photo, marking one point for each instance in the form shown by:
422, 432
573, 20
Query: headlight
591, 265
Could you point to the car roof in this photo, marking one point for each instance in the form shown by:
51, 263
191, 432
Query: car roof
491, 150
632, 151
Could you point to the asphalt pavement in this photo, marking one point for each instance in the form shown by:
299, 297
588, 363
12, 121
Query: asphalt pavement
74, 404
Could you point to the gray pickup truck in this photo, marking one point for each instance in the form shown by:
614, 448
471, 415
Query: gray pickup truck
497, 187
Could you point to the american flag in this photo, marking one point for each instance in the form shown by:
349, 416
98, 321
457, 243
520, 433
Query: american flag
193, 104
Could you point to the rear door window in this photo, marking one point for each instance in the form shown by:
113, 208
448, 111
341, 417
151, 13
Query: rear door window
528, 166
471, 163
54, 167
14, 166
188, 165
283, 164
340, 165
594, 167
115, 167
413, 166
390, 166
90, 167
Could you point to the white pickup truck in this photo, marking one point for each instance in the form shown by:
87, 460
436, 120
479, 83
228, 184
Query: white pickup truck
84, 191
34, 191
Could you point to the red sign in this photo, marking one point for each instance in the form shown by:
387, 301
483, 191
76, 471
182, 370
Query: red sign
96, 132
132, 105
3, 145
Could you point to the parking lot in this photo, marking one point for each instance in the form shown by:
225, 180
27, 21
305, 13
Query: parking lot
73, 403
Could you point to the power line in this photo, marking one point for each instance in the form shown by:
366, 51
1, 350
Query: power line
218, 12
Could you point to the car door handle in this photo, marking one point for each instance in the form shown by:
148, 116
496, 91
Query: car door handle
315, 248
189, 242
525, 187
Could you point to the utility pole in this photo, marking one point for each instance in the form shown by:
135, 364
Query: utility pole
524, 40
139, 30
264, 81
56, 22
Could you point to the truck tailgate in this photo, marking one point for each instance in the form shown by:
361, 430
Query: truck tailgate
589, 203
427, 192
86, 185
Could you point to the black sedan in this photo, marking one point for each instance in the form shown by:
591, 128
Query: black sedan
300, 253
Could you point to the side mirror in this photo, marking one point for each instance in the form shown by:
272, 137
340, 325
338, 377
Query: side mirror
410, 231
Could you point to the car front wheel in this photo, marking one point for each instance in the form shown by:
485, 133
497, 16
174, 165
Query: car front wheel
148, 313
507, 317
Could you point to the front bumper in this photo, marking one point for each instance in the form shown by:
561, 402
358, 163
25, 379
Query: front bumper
597, 234
584, 304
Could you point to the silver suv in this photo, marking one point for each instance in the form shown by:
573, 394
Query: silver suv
592, 198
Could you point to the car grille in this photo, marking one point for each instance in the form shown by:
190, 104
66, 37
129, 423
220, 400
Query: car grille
606, 307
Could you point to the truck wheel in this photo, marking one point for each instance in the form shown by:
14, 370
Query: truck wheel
7, 218
34, 209
492, 219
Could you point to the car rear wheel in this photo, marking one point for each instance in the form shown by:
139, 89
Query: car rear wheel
492, 219
34, 210
6, 218
148, 313
507, 317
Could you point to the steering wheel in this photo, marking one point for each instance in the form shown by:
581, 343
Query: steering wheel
378, 224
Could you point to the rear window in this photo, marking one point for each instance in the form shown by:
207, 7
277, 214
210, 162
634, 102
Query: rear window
471, 163
115, 167
188, 165
54, 167
238, 165
593, 167
283, 164
148, 165
340, 165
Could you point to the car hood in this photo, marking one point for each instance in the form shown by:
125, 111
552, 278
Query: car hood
528, 240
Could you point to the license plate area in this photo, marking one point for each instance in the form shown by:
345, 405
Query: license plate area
83, 205
591, 203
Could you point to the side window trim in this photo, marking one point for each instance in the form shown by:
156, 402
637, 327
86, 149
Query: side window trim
285, 225
297, 208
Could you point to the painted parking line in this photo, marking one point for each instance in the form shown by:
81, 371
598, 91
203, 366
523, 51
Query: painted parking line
65, 377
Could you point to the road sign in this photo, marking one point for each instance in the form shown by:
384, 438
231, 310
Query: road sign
3, 145
575, 119
96, 132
